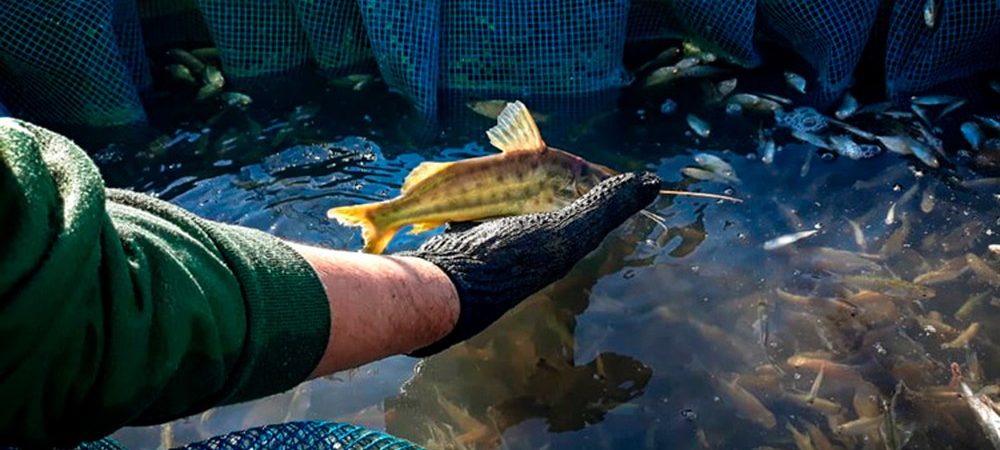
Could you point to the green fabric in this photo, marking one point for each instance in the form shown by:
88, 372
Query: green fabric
117, 308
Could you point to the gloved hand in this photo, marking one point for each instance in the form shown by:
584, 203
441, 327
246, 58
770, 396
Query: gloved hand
496, 265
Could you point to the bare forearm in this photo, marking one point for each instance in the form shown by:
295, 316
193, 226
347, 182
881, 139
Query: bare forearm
380, 305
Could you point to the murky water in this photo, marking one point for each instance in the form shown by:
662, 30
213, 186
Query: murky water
691, 337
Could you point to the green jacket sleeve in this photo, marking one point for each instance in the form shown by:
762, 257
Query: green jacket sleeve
120, 309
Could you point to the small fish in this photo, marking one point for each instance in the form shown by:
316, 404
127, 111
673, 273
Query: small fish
811, 138
986, 415
814, 390
207, 91
746, 404
924, 153
930, 13
822, 405
892, 287
692, 50
236, 99
988, 122
841, 261
950, 270
699, 126
837, 371
776, 98
180, 73
702, 174
206, 53
795, 81
788, 239
726, 87
717, 165
185, 58
527, 176
802, 440
890, 216
493, 108
982, 270
848, 106
859, 427
354, 81
213, 77
853, 130
934, 100
973, 135
820, 441
897, 240
753, 102
664, 57
763, 323
685, 68
950, 109
965, 311
927, 200
766, 149
859, 235
896, 144
865, 402
963, 338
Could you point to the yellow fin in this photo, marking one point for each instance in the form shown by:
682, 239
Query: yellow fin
422, 172
516, 130
423, 227
376, 239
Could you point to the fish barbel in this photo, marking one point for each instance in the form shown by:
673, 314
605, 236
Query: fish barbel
527, 177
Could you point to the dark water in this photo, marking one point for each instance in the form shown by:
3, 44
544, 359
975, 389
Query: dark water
636, 347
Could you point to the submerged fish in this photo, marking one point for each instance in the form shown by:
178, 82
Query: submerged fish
892, 287
930, 13
788, 239
527, 177
796, 82
848, 106
699, 126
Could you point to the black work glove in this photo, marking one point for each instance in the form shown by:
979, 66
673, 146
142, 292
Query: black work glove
497, 264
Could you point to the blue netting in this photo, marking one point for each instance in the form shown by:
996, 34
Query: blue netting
964, 41
75, 63
83, 63
830, 35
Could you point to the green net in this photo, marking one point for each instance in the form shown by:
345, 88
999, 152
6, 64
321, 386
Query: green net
73, 63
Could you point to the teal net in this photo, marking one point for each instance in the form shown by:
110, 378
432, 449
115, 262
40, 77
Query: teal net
85, 63
304, 435
72, 63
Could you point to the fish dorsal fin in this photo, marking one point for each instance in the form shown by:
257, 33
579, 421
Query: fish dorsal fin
422, 172
516, 130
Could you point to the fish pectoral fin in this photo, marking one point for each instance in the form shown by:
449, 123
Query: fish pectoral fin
376, 239
516, 130
424, 227
422, 172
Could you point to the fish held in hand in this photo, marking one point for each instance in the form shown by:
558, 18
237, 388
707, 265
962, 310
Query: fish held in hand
527, 177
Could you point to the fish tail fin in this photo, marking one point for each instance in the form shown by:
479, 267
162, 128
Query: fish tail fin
376, 237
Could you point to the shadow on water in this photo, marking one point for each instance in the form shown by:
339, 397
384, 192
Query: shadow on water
657, 339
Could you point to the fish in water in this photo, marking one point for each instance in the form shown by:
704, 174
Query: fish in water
795, 81
699, 126
527, 177
788, 239
930, 13
848, 106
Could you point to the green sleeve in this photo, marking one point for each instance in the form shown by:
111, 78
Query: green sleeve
120, 309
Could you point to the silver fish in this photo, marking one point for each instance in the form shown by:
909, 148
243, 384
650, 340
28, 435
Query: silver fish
726, 87
236, 99
754, 102
973, 134
811, 138
934, 100
924, 153
699, 126
788, 239
930, 13
848, 106
845, 146
701, 174
766, 149
950, 108
796, 82
988, 122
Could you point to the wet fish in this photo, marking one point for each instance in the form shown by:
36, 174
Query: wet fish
927, 200
934, 100
802, 440
746, 404
685, 68
186, 59
814, 390
819, 440
766, 148
982, 270
527, 176
859, 234
354, 81
930, 13
206, 53
236, 99
965, 311
214, 82
963, 338
950, 109
811, 138
717, 165
859, 427
986, 415
897, 240
837, 371
180, 73
699, 126
845, 146
892, 287
726, 87
753, 102
841, 261
665, 57
788, 239
948, 271
890, 216
702, 174
848, 106
493, 108
973, 135
795, 81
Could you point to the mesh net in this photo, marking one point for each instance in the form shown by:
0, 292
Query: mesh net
316, 435
84, 63
964, 41
76, 63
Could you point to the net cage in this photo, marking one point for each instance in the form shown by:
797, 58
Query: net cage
87, 63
